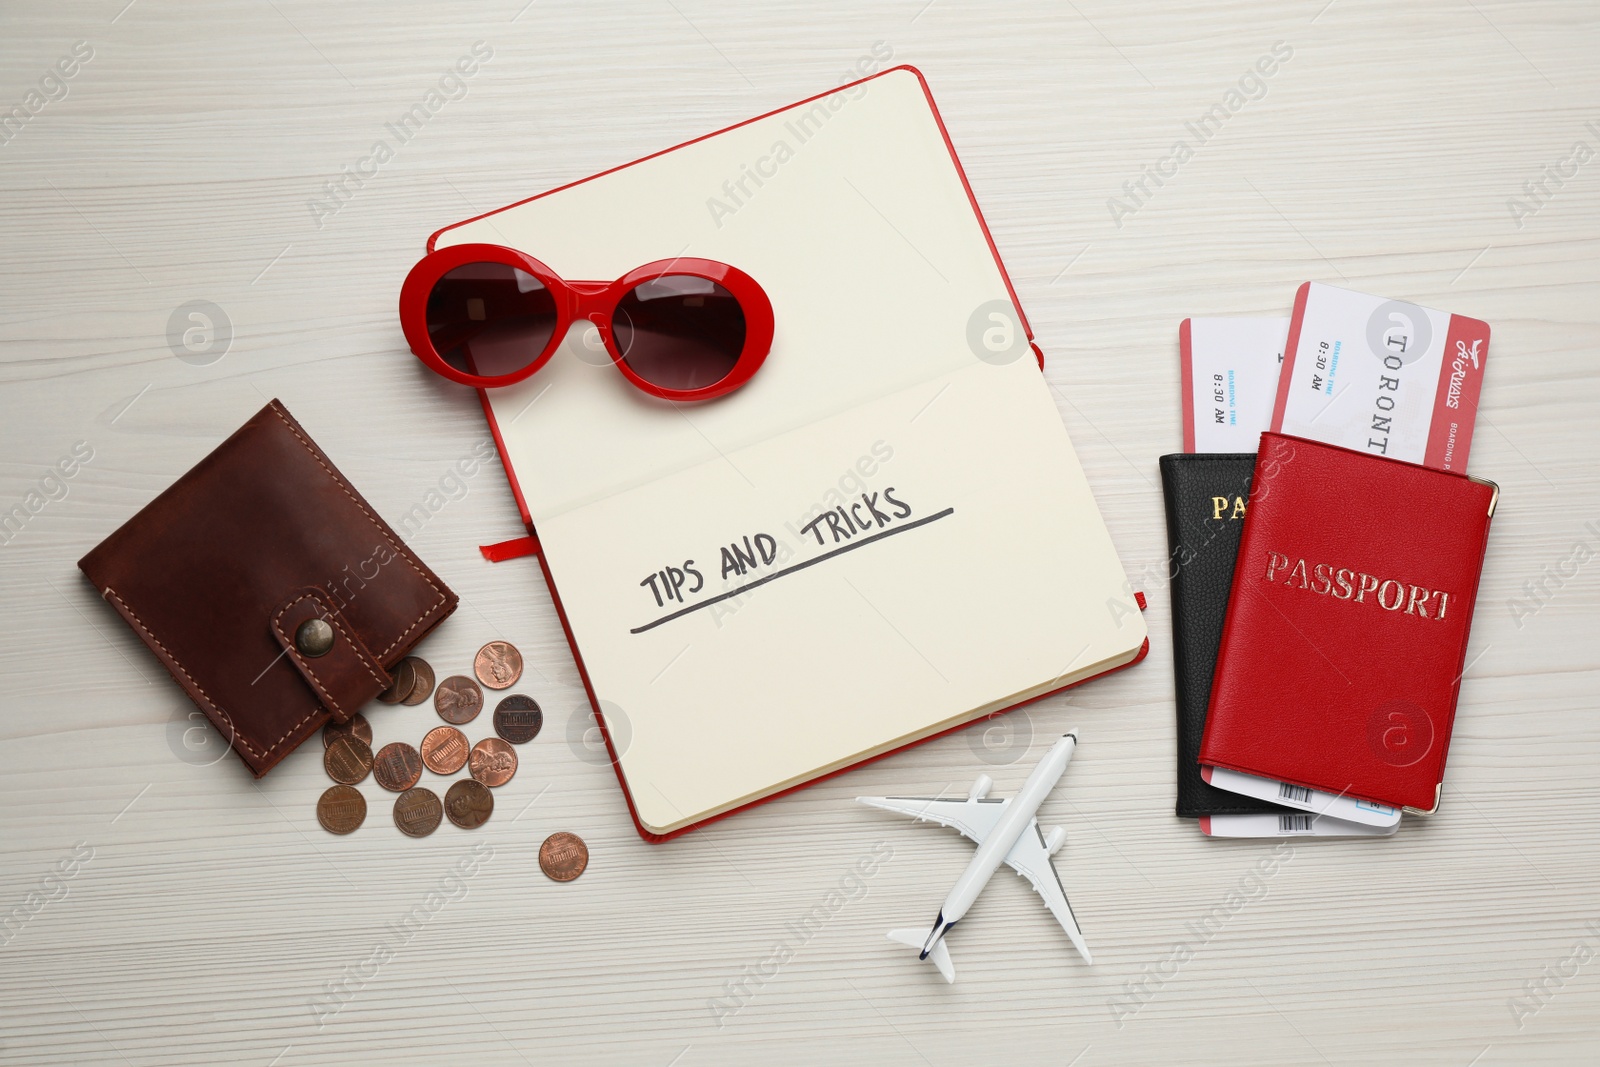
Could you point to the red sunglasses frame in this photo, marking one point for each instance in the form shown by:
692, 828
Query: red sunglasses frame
594, 302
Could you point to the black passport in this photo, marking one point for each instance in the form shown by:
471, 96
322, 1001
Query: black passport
1206, 495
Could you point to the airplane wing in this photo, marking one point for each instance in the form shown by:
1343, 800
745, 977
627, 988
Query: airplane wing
1030, 858
973, 819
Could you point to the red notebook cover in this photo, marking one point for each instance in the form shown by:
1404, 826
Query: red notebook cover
1347, 626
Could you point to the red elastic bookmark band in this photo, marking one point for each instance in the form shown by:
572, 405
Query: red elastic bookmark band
515, 548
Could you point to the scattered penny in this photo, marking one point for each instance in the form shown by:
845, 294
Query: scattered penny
492, 761
563, 856
517, 719
397, 766
422, 688
458, 699
402, 679
444, 750
498, 665
348, 759
341, 809
417, 812
357, 725
469, 803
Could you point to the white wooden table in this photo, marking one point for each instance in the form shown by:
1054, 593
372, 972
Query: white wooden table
209, 920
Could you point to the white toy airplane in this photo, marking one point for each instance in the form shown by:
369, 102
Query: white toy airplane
1005, 831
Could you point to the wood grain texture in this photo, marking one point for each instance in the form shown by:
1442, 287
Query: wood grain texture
181, 164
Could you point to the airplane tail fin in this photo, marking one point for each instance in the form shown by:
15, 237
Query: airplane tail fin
939, 954
941, 959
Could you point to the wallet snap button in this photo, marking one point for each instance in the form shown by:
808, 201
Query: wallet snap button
314, 638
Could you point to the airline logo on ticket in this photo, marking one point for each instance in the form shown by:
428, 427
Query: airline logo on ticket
1381, 376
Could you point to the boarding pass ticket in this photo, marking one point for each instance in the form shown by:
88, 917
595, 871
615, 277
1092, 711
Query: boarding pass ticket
1230, 380
1381, 376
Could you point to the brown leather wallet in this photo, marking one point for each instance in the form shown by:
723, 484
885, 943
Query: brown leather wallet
269, 589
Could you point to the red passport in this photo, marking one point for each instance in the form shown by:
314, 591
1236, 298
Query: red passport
1346, 634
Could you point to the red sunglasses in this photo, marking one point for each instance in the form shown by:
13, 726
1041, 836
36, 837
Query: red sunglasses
679, 329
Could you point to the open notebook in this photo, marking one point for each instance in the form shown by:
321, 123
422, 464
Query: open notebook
966, 568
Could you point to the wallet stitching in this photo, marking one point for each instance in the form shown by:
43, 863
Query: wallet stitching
232, 726
400, 549
311, 675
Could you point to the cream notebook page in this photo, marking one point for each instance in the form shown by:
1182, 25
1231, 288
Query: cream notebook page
969, 569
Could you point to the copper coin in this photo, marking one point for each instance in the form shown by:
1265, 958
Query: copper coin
397, 766
357, 725
347, 760
402, 679
458, 699
341, 809
498, 665
517, 719
469, 803
417, 812
444, 750
422, 688
563, 856
492, 761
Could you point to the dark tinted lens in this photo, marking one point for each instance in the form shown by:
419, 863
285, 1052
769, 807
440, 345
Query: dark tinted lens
490, 319
679, 332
